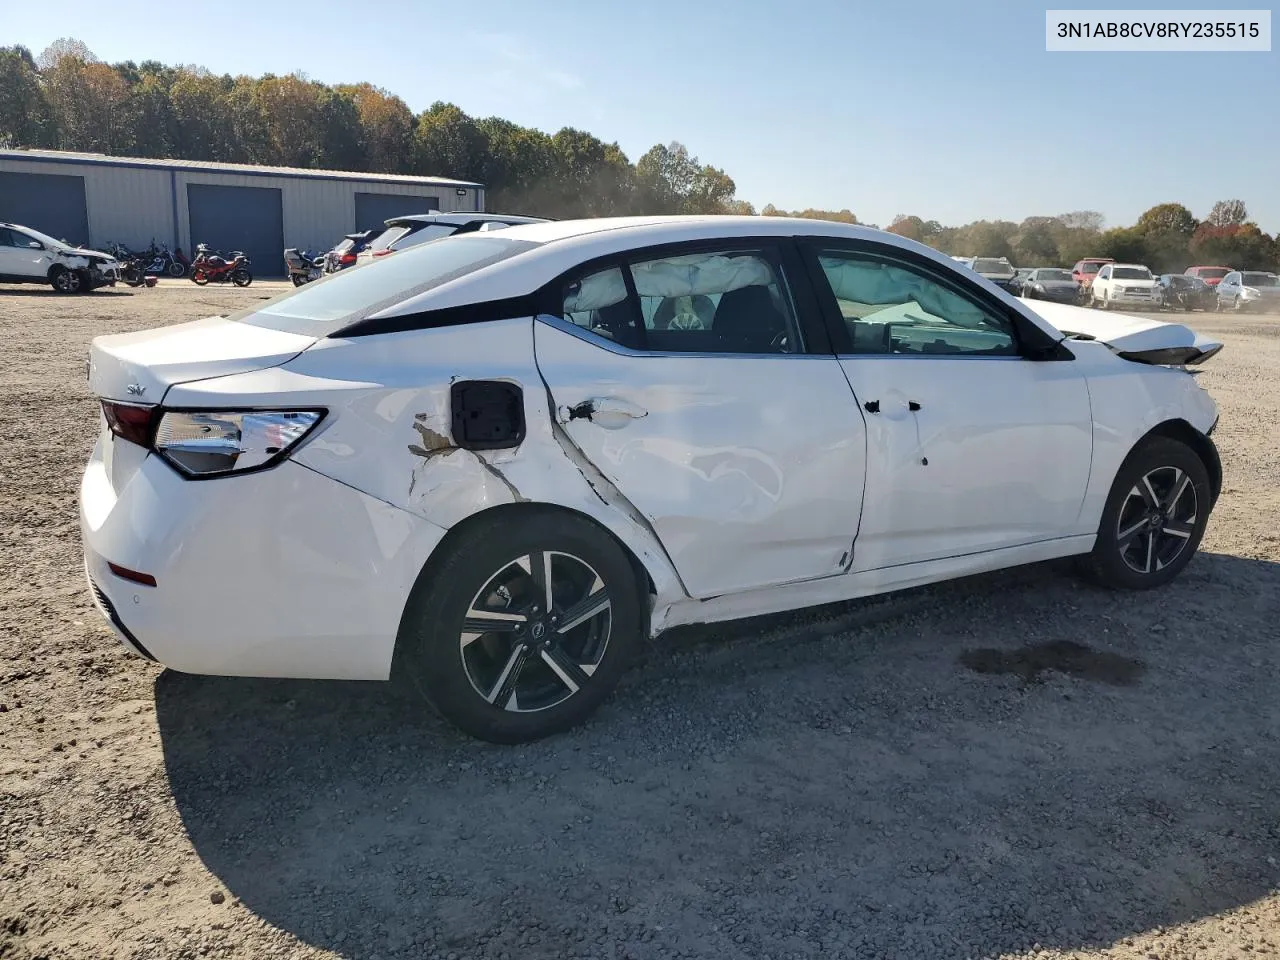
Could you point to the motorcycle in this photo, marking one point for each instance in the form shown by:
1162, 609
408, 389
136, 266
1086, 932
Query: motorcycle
210, 266
303, 266
132, 272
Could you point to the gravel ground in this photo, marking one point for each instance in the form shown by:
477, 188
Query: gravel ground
1011, 765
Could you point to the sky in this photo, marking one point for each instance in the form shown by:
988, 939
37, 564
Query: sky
949, 111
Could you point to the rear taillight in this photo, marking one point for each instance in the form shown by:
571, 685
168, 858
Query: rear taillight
131, 422
347, 258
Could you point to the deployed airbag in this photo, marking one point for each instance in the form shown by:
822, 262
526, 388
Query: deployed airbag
685, 276
874, 284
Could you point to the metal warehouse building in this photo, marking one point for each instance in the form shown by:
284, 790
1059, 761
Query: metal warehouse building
94, 200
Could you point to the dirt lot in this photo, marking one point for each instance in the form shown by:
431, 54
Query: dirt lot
932, 775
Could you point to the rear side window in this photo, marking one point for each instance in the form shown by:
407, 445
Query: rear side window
714, 303
324, 307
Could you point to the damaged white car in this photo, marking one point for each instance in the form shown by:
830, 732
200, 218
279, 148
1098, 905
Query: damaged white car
498, 462
29, 256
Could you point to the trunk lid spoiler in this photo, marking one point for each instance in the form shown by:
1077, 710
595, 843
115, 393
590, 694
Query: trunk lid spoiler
1139, 339
141, 367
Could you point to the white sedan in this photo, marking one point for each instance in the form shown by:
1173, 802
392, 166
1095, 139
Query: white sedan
498, 462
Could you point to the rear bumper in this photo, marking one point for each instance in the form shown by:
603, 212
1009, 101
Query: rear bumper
282, 573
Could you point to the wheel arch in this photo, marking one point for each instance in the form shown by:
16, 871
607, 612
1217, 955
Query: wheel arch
1184, 432
511, 513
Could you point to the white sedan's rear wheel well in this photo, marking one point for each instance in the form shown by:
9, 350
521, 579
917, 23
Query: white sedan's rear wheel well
505, 515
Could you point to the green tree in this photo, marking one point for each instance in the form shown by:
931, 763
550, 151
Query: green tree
447, 143
386, 128
26, 119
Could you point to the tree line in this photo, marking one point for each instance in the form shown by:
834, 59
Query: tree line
68, 99
1167, 238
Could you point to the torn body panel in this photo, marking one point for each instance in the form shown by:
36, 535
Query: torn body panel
393, 439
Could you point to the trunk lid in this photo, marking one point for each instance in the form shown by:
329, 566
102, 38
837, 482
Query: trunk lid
140, 367
1134, 338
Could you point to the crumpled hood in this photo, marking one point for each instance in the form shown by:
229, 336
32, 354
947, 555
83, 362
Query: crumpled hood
1133, 337
83, 252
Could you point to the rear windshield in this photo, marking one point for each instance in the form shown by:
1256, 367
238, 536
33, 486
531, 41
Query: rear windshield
1260, 280
323, 307
1130, 273
432, 231
1053, 276
388, 236
1212, 273
992, 266
1090, 267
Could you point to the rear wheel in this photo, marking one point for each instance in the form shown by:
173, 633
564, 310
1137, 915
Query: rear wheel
241, 277
1154, 518
525, 629
176, 269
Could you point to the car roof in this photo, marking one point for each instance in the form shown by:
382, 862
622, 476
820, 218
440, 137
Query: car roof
1139, 266
458, 218
558, 246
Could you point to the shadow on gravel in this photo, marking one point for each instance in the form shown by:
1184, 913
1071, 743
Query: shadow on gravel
833, 783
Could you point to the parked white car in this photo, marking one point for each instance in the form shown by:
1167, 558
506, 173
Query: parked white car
500, 461
29, 256
1124, 285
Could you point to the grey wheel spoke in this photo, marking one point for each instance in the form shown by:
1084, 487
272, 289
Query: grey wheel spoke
538, 566
492, 621
572, 675
1147, 492
1127, 536
503, 692
1151, 551
592, 605
1180, 481
1179, 528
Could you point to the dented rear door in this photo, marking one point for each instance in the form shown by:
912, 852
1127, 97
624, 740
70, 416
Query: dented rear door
745, 455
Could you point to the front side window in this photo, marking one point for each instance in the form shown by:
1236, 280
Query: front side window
8, 238
719, 302
892, 307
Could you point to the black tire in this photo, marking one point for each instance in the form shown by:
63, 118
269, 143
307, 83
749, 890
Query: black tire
1173, 530
175, 269
297, 280
241, 277
562, 670
68, 281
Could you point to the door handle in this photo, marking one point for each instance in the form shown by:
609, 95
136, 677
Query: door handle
608, 412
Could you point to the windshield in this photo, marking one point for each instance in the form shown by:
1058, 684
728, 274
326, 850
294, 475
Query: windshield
1054, 276
44, 238
323, 307
1130, 273
988, 265
1261, 280
1212, 273
1090, 267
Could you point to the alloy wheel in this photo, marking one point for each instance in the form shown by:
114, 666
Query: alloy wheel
1157, 519
536, 632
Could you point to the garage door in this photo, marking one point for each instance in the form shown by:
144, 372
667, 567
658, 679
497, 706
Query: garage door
239, 218
46, 202
373, 208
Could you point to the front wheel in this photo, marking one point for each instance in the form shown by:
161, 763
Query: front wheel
241, 277
1154, 518
199, 278
69, 281
525, 628
1236, 305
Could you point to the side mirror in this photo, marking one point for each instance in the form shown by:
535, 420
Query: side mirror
36, 245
